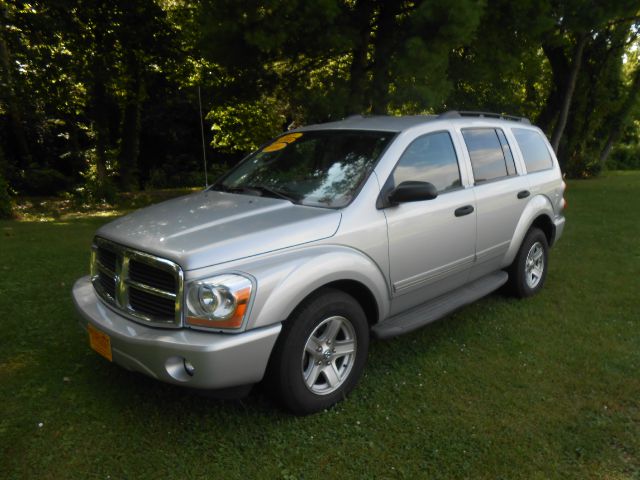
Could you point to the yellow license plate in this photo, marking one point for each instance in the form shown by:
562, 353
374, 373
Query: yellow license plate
100, 342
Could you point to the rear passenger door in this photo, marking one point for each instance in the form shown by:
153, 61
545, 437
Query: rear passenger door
431, 242
500, 194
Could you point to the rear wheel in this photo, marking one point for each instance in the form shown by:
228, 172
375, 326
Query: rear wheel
321, 352
528, 271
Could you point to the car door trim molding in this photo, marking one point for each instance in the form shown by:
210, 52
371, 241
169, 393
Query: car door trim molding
434, 275
491, 252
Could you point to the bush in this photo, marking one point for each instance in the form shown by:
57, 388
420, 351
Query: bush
168, 176
625, 157
6, 204
43, 181
242, 127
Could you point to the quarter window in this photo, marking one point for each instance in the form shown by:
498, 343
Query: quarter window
534, 150
490, 154
430, 158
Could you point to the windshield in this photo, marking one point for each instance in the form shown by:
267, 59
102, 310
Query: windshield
317, 168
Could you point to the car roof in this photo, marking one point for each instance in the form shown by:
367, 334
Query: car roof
398, 124
376, 122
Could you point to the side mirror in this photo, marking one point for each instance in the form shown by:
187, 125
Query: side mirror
412, 191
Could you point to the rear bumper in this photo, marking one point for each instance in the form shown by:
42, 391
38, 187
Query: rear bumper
219, 360
558, 224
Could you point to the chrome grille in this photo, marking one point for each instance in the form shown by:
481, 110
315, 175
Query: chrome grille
108, 284
149, 303
143, 287
148, 275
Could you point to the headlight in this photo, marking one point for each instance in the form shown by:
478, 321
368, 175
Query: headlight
218, 302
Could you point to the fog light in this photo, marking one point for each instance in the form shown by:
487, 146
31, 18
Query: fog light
179, 368
189, 368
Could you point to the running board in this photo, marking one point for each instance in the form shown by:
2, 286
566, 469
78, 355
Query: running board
437, 308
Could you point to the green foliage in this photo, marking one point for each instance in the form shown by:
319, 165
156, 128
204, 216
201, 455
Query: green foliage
117, 80
243, 127
169, 177
601, 95
95, 189
419, 68
6, 203
626, 156
493, 77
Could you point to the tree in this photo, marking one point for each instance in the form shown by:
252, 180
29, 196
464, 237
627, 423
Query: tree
598, 102
315, 61
502, 67
564, 46
623, 115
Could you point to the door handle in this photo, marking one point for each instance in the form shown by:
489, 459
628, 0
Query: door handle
524, 194
466, 210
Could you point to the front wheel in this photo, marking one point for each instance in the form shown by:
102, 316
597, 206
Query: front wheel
528, 272
321, 353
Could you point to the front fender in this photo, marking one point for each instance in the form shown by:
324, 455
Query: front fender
286, 279
537, 205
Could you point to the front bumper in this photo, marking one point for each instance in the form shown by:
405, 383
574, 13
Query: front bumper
558, 223
219, 360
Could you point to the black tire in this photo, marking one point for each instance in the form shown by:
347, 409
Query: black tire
319, 316
522, 283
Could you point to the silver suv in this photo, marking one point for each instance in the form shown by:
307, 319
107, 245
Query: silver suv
323, 237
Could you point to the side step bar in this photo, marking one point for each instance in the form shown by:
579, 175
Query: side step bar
437, 308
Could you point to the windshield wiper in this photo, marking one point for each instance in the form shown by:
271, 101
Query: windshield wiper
219, 187
261, 190
272, 192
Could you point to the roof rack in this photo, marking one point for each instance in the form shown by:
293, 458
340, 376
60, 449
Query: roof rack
465, 113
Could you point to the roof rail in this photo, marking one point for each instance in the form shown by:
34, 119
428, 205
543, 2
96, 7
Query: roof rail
465, 113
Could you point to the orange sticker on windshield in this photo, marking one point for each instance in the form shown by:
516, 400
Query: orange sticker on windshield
290, 138
274, 147
282, 142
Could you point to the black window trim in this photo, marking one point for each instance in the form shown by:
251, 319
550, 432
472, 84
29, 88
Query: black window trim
388, 184
496, 179
506, 144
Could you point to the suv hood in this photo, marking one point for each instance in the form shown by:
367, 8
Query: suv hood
211, 227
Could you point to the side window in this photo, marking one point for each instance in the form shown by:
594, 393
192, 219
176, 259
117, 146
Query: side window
430, 158
490, 154
534, 150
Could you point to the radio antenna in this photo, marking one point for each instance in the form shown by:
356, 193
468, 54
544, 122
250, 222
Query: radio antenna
204, 150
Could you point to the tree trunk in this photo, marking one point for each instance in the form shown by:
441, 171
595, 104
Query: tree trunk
384, 42
362, 17
568, 92
13, 104
101, 126
130, 137
560, 71
100, 103
621, 118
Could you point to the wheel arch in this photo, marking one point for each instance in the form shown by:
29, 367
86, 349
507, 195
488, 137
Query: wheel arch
544, 223
339, 268
359, 291
538, 213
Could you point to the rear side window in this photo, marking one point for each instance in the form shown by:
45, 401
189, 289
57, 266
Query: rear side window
490, 154
534, 150
430, 158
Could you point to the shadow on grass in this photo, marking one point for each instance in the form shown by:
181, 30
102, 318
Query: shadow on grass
119, 386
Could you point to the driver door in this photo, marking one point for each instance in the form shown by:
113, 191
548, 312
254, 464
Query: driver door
431, 242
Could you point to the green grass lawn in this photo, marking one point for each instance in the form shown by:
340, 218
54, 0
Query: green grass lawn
543, 388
